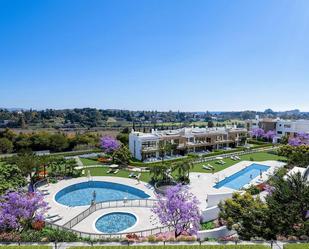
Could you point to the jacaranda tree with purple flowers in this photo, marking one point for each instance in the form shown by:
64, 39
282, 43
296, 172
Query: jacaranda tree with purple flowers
109, 144
179, 209
257, 132
269, 135
18, 210
301, 138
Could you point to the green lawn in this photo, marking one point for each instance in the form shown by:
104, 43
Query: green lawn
260, 156
296, 246
102, 171
89, 161
178, 247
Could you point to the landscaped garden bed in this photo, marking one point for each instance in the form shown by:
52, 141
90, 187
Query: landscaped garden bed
180, 247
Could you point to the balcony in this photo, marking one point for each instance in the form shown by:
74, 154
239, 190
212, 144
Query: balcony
149, 149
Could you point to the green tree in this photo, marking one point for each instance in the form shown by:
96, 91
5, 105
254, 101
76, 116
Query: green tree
160, 172
123, 138
59, 142
11, 177
28, 163
122, 155
183, 168
247, 216
6, 146
288, 204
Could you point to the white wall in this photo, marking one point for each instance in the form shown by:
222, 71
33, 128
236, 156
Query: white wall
214, 199
135, 146
215, 233
210, 213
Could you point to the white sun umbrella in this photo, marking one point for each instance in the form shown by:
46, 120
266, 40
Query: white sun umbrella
219, 158
113, 166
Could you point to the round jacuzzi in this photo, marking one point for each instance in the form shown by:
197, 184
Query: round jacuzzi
115, 222
82, 194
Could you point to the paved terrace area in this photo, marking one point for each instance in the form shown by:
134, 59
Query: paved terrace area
67, 213
145, 219
202, 184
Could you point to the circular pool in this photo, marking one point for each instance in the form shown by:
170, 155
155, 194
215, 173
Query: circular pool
82, 194
115, 222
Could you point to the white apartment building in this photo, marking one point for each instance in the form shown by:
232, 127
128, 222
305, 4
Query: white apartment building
290, 128
182, 141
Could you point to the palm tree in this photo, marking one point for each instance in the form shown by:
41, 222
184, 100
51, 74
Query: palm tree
160, 172
183, 167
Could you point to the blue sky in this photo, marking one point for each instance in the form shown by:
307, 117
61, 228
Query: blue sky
155, 54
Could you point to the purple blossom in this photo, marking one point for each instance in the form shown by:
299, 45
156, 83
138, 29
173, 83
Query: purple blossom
295, 141
257, 132
20, 209
179, 209
301, 138
269, 135
109, 144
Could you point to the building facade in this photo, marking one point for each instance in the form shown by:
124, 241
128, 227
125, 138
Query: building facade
288, 128
266, 124
182, 141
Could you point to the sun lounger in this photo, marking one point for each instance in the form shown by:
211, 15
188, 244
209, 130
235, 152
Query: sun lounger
116, 171
210, 166
206, 167
138, 176
131, 175
54, 218
51, 216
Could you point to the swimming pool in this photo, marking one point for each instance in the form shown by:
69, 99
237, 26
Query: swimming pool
242, 177
115, 222
82, 194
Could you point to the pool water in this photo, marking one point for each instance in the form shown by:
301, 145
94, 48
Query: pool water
81, 194
115, 222
242, 177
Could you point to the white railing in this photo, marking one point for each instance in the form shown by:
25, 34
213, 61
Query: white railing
149, 203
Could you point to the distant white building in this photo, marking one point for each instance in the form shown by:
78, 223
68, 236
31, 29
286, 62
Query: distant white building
182, 141
290, 128
281, 127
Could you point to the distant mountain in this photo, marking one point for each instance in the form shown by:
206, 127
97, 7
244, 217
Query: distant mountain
14, 109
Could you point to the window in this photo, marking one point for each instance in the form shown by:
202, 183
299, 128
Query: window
279, 132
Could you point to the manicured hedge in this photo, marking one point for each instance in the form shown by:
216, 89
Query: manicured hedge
179, 247
296, 246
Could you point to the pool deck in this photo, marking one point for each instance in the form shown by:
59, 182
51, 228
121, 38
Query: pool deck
202, 184
145, 219
68, 213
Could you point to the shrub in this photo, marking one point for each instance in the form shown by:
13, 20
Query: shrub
152, 238
9, 237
